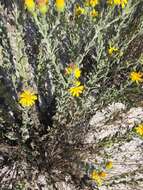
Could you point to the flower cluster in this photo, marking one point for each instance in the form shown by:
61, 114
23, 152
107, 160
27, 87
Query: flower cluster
42, 5
89, 8
91, 3
99, 176
121, 3
74, 72
134, 75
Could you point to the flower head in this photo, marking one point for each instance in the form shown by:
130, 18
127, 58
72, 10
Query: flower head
60, 5
139, 129
121, 3
30, 5
112, 50
27, 98
73, 69
109, 165
91, 3
136, 76
77, 89
79, 10
93, 13
96, 177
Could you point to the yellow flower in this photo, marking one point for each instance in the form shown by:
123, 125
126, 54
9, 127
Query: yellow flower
139, 129
93, 13
27, 98
91, 3
73, 69
109, 165
96, 177
60, 5
30, 5
121, 3
136, 76
79, 10
112, 50
77, 89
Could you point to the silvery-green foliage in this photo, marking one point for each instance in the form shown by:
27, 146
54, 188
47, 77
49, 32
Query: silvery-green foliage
64, 38
35, 49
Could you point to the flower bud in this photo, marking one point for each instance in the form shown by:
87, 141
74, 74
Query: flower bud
60, 5
30, 5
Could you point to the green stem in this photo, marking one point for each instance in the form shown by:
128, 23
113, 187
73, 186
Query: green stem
49, 50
